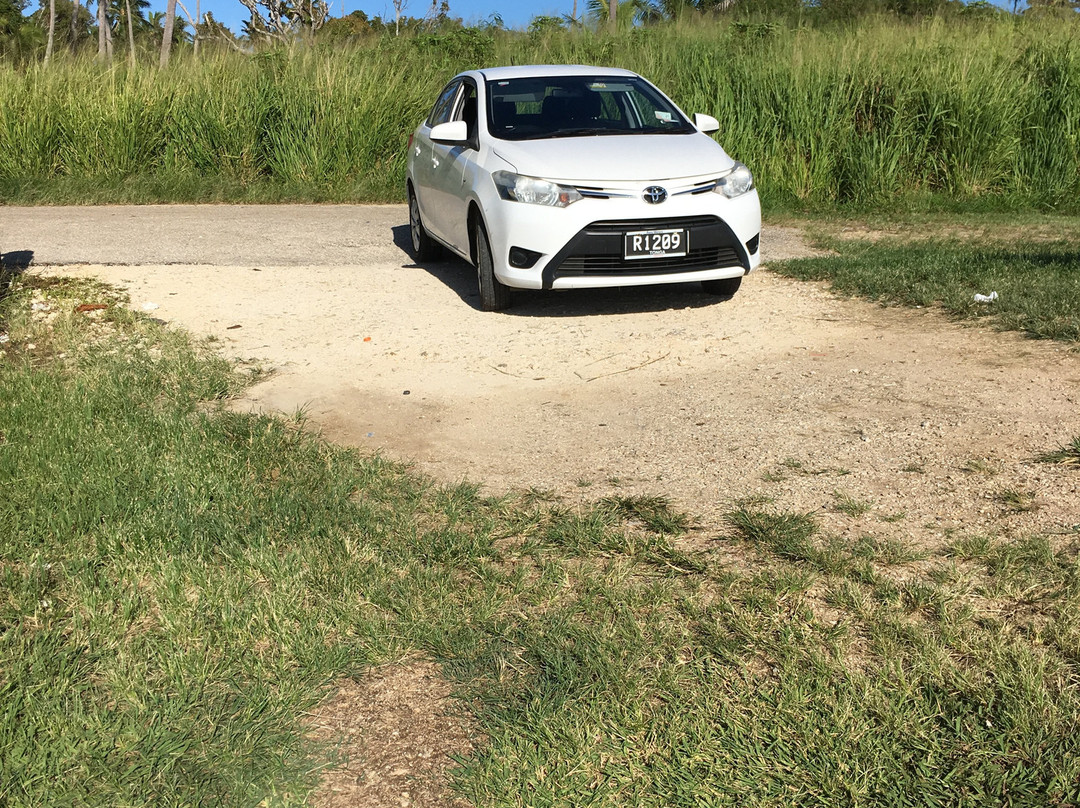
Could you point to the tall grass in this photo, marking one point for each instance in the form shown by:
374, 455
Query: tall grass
978, 113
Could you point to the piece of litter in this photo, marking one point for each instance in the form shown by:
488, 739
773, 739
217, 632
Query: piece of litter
231, 327
367, 339
405, 392
371, 434
990, 298
150, 306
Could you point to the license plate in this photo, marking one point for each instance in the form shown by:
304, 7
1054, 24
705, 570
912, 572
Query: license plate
656, 244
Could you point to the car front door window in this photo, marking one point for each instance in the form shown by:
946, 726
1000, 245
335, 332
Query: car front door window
444, 106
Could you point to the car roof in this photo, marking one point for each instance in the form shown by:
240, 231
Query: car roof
541, 71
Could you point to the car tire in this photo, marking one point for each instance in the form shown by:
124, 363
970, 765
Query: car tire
424, 247
725, 287
494, 296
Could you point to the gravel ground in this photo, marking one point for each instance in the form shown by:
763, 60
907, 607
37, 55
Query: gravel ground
786, 392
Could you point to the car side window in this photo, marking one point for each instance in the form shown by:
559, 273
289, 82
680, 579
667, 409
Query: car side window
467, 110
440, 113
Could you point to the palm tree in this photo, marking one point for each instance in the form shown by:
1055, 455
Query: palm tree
640, 12
52, 30
131, 33
105, 46
166, 37
131, 15
621, 13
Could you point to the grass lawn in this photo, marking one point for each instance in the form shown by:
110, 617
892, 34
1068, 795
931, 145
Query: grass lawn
179, 584
1031, 261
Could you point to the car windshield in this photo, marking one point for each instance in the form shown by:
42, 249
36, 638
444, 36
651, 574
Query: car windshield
579, 106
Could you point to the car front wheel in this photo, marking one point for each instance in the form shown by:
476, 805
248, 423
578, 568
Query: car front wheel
494, 296
725, 287
424, 246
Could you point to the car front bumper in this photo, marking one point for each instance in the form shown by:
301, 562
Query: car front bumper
581, 246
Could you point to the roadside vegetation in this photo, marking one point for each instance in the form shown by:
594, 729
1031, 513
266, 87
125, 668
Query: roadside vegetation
970, 110
180, 584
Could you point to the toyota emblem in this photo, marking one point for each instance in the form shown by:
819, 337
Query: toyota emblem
654, 194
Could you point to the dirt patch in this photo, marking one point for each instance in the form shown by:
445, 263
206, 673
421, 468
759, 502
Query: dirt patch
1004, 233
786, 395
394, 733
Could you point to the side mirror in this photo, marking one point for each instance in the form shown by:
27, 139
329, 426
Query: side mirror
706, 123
454, 132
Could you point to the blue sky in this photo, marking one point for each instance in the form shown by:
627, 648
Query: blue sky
515, 14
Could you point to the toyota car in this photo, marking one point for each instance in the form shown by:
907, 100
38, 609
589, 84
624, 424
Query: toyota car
569, 177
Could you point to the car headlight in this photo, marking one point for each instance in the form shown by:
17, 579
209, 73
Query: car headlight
735, 183
533, 191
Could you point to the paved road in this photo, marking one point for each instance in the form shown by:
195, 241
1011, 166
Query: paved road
218, 235
229, 235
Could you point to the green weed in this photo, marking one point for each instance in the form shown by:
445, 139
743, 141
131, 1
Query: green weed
979, 465
849, 505
1068, 455
1017, 501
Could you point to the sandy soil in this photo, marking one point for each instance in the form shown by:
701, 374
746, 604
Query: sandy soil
785, 392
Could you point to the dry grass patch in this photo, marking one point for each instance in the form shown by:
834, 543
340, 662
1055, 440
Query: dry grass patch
395, 733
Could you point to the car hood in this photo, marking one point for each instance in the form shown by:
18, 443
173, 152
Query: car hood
616, 158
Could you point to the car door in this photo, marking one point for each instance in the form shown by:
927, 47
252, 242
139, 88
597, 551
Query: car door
425, 161
452, 170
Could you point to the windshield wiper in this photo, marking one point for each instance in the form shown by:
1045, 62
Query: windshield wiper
582, 131
664, 130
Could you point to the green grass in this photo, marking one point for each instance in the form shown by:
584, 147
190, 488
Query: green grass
180, 584
1038, 282
1017, 501
1066, 455
852, 506
943, 112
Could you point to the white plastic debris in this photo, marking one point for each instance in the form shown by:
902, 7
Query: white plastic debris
990, 298
152, 306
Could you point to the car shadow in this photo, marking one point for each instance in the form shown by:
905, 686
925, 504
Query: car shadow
460, 276
12, 264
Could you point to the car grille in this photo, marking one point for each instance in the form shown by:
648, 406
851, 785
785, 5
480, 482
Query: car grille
598, 249
624, 225
710, 258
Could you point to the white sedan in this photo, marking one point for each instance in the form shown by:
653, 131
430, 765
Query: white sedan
564, 177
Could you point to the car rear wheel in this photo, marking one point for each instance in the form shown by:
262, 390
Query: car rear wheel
424, 246
725, 287
494, 296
